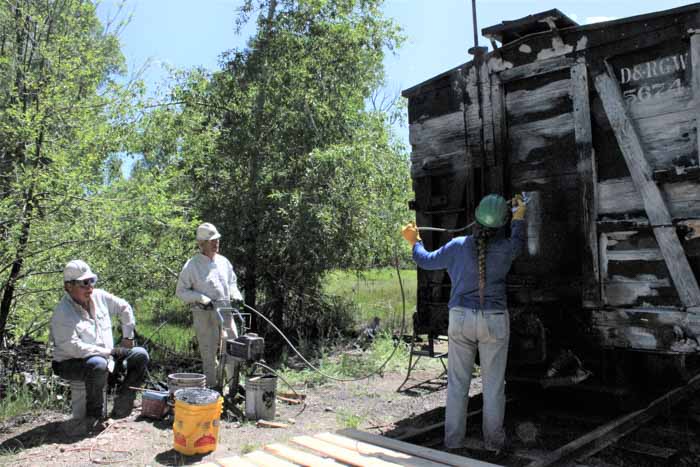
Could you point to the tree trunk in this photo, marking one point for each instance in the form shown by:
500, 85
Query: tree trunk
9, 289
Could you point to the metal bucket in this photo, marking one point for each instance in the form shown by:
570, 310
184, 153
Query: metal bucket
260, 396
185, 380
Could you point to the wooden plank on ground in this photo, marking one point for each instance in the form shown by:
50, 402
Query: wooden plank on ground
418, 451
343, 455
587, 184
646, 449
299, 457
236, 461
643, 178
376, 451
264, 459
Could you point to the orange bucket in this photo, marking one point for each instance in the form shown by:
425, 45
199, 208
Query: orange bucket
196, 423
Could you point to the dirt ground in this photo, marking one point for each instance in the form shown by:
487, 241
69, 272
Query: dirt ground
371, 405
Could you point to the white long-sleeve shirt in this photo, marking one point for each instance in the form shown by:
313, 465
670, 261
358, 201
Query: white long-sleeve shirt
203, 280
76, 334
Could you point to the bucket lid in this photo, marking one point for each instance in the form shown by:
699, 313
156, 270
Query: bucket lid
197, 396
155, 395
187, 376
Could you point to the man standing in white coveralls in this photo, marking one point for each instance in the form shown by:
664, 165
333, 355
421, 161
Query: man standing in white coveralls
206, 282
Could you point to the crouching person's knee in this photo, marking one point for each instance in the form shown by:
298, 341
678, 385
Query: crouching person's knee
138, 357
96, 364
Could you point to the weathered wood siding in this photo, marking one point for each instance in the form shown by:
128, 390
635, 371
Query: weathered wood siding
542, 160
440, 166
529, 118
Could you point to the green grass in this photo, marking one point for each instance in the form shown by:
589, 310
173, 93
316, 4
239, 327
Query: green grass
355, 364
376, 293
347, 419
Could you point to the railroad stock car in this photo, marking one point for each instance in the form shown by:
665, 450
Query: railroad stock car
599, 124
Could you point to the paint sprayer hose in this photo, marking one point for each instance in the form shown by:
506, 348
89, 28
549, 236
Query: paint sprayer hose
334, 378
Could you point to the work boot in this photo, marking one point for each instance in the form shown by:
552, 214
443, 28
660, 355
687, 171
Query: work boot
94, 425
123, 404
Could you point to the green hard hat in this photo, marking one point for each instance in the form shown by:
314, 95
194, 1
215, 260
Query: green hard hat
492, 211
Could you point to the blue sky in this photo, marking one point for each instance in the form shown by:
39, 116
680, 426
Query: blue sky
189, 33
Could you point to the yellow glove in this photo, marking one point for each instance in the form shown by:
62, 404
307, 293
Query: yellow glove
410, 233
519, 208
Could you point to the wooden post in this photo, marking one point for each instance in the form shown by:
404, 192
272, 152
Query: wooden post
499, 183
587, 183
642, 177
695, 70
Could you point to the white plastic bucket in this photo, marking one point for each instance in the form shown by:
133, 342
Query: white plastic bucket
260, 397
185, 380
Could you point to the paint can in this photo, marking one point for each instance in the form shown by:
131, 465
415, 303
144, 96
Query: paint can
260, 397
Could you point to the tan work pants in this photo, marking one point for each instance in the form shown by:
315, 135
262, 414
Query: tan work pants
212, 346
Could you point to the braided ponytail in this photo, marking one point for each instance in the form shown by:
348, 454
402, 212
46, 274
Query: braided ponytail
482, 237
481, 253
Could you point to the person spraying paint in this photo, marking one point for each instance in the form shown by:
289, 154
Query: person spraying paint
477, 265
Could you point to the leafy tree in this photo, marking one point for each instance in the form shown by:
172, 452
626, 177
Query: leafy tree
299, 175
64, 124
55, 58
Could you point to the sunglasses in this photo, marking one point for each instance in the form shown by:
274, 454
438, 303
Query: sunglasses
86, 282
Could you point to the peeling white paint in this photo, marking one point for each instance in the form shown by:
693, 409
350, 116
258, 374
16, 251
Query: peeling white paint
534, 224
558, 48
694, 226
496, 64
641, 254
550, 20
524, 48
641, 337
625, 291
582, 43
645, 278
603, 250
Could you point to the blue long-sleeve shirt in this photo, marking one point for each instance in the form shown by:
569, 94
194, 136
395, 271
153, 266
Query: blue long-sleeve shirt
459, 257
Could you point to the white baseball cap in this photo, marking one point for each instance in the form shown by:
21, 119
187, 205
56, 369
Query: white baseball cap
77, 270
207, 231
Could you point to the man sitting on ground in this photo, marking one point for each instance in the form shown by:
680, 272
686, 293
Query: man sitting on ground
81, 330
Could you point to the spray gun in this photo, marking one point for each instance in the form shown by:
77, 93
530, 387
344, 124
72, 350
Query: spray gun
526, 196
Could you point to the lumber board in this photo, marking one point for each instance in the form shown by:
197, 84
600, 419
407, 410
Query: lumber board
264, 459
299, 457
236, 461
603, 436
415, 450
539, 67
642, 176
376, 451
544, 99
619, 196
341, 454
632, 151
438, 135
591, 293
